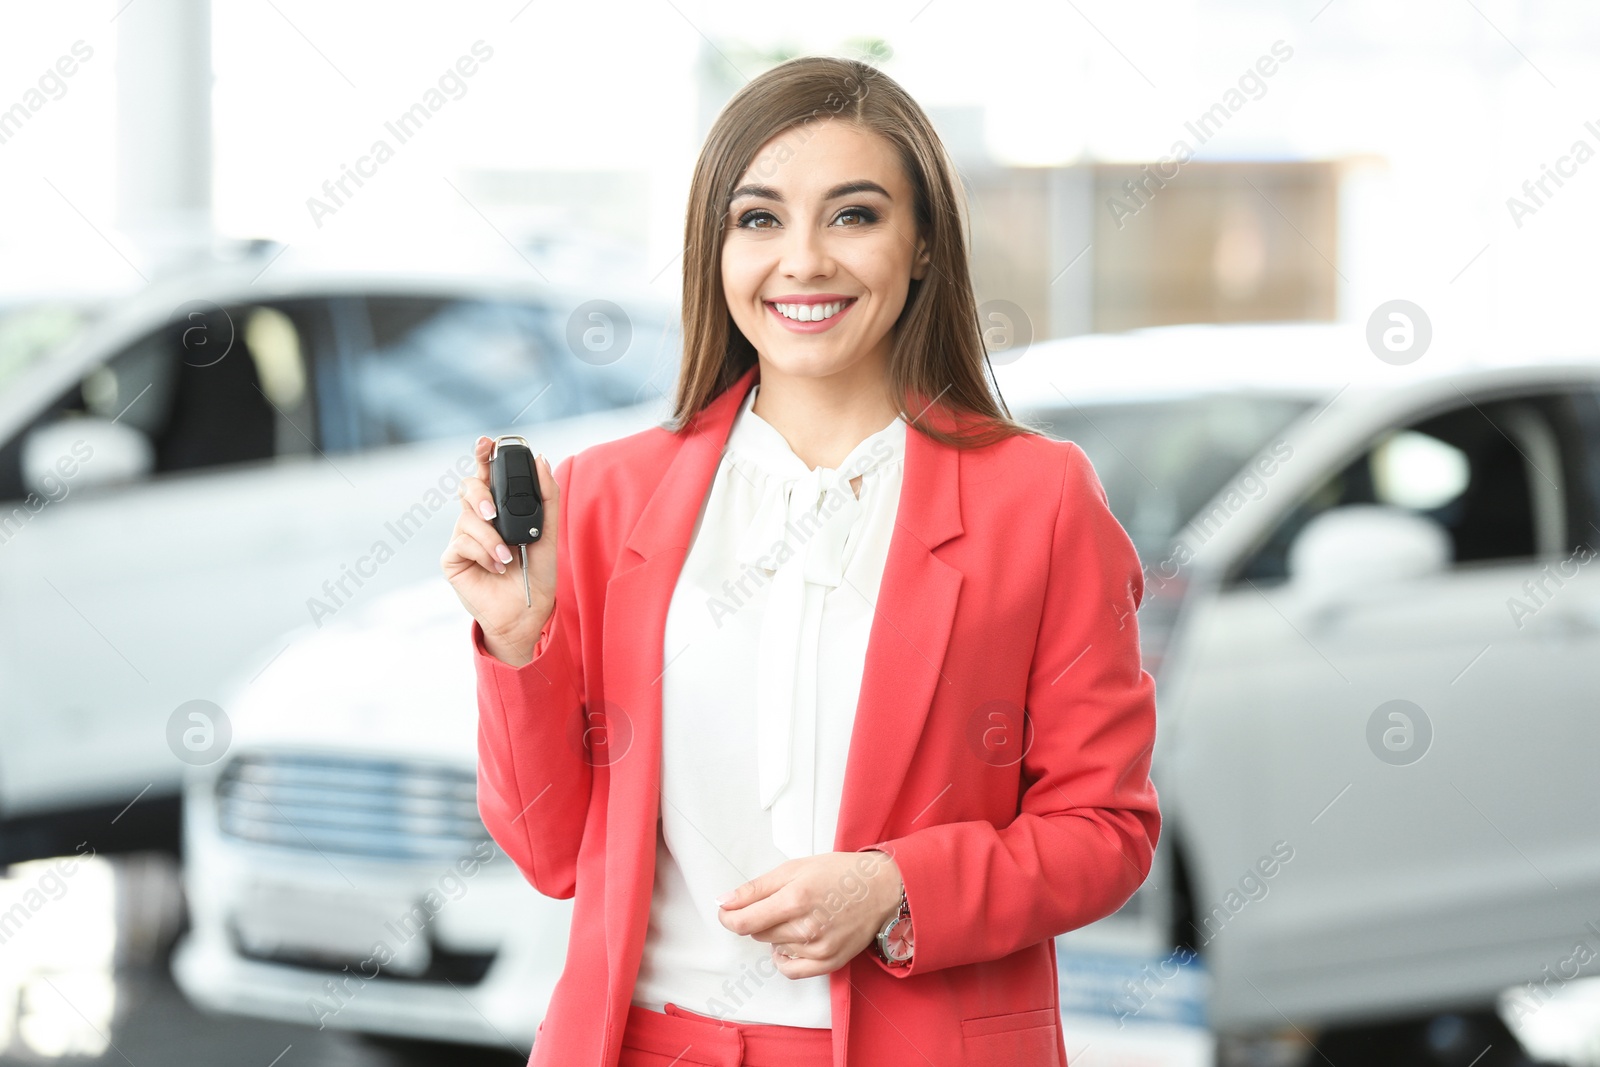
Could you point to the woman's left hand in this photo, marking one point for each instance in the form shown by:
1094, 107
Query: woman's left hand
822, 910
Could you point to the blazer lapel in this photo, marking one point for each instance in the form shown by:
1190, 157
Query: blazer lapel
911, 627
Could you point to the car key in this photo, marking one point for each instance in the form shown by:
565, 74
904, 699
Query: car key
518, 505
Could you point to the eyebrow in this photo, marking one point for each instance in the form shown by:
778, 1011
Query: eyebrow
767, 192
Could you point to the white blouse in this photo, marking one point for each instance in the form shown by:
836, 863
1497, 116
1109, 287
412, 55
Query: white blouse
766, 639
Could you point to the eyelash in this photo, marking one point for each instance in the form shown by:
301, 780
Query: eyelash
868, 215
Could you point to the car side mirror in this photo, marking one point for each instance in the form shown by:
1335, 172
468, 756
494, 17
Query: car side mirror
76, 452
1366, 545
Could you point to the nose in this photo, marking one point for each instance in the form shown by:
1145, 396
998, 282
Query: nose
805, 254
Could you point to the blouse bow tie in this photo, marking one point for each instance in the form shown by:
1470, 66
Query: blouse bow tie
801, 527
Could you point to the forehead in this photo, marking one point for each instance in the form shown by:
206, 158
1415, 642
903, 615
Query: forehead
814, 156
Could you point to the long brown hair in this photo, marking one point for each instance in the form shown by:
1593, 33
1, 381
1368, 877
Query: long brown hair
937, 361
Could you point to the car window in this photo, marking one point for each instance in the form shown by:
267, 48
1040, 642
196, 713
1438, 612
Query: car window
427, 368
1507, 479
211, 388
1161, 460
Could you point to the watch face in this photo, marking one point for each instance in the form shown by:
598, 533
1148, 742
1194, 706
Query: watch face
901, 944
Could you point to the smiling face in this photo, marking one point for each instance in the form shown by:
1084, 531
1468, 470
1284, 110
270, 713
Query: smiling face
819, 249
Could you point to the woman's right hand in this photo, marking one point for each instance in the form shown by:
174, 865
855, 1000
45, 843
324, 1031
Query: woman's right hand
486, 573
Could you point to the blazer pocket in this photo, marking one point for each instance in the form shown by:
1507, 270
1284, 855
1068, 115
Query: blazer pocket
1014, 1039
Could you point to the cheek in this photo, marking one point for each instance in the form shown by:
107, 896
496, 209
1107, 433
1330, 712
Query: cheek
883, 267
739, 276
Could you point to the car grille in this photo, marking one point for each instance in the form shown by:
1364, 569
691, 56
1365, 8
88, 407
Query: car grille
393, 809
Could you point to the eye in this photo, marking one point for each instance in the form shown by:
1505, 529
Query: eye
755, 213
866, 214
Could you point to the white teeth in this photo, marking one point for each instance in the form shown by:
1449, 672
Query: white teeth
810, 312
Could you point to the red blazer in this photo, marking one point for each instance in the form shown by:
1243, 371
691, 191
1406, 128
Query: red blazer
1008, 585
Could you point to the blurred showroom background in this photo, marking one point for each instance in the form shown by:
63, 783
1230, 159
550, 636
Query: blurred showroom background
1311, 283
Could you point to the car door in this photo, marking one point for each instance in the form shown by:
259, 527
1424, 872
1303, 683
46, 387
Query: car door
1420, 748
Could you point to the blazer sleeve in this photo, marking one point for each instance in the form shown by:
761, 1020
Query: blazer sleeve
1085, 834
533, 777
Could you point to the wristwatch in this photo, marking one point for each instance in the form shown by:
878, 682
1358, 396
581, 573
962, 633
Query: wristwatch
895, 940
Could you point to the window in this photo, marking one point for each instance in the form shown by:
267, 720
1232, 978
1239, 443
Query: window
1161, 460
424, 368
1233, 241
1506, 478
218, 387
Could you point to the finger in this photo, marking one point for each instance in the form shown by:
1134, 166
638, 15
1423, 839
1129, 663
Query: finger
485, 533
791, 932
475, 494
465, 546
548, 489
549, 492
481, 449
758, 888
803, 967
774, 918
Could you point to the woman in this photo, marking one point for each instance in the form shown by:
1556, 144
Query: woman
841, 654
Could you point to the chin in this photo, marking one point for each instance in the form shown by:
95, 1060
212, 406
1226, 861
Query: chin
822, 366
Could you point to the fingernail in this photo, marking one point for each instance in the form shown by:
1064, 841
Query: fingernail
722, 901
503, 552
486, 507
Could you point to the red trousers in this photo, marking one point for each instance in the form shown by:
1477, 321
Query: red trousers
680, 1037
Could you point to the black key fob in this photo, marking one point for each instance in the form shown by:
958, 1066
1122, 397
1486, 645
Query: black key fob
518, 505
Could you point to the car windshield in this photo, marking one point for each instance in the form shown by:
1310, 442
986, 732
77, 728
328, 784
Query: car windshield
1161, 460
29, 332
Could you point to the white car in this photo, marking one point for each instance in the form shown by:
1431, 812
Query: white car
335, 868
1373, 771
189, 471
